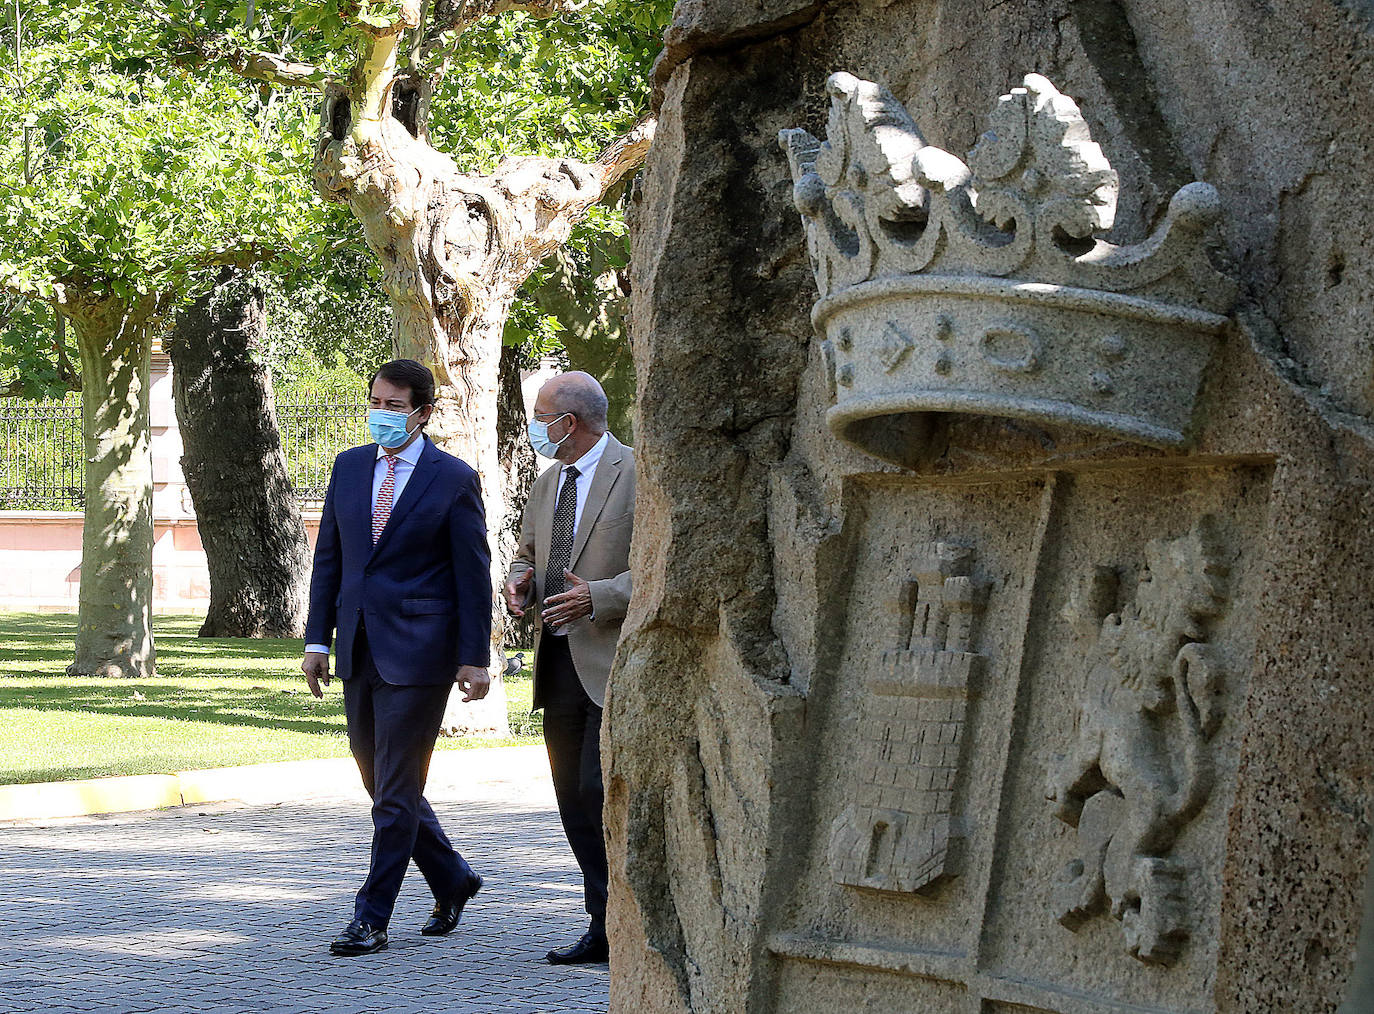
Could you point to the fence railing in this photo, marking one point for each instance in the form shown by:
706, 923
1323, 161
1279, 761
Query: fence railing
313, 430
42, 460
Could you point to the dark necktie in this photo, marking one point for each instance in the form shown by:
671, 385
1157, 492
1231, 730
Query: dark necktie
560, 547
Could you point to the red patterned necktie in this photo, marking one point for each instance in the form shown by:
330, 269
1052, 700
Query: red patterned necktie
382, 511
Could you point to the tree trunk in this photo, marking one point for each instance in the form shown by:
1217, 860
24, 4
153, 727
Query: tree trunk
593, 313
114, 635
519, 468
453, 251
246, 510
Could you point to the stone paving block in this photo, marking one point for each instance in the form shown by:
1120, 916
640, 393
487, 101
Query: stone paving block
230, 908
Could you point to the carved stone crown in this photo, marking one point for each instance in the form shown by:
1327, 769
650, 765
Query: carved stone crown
984, 287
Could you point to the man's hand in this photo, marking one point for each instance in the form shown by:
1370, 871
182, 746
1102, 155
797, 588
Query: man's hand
570, 605
518, 592
316, 669
474, 681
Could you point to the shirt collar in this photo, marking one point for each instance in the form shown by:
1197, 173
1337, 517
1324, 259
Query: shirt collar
586, 464
411, 454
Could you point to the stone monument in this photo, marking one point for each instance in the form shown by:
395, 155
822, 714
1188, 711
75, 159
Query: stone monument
1001, 638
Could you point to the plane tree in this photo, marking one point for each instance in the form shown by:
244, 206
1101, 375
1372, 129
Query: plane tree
464, 138
123, 190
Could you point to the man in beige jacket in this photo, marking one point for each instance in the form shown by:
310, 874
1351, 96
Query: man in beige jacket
573, 567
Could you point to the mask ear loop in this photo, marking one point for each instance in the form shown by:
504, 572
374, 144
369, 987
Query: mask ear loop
408, 415
559, 443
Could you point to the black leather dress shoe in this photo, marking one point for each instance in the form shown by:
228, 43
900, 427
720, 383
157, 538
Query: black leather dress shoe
590, 949
359, 937
446, 914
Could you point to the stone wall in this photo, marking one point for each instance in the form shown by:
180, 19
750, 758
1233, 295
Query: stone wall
862, 745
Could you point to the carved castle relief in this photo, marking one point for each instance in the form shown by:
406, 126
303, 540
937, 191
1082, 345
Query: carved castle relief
896, 835
1141, 767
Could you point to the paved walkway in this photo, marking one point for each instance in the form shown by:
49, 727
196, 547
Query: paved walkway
229, 908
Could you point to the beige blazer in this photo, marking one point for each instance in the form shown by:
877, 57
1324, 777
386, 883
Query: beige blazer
600, 556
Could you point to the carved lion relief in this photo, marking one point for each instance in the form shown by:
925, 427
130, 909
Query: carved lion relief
1142, 767
897, 834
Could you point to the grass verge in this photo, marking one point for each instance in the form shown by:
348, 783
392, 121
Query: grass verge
214, 703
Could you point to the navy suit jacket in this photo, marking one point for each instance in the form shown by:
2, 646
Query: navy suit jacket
424, 591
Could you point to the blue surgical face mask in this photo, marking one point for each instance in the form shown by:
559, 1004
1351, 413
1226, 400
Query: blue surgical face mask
539, 437
389, 428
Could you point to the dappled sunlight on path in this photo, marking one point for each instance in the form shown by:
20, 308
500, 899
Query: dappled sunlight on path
231, 908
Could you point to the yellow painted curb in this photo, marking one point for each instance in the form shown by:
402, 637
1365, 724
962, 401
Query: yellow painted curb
254, 783
91, 795
268, 783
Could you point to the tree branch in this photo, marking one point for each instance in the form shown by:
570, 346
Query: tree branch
243, 256
627, 152
253, 64
274, 69
549, 196
69, 374
414, 53
460, 15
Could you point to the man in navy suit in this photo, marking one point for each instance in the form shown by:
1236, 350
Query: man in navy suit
402, 586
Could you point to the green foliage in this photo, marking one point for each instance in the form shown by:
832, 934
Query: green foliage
325, 33
566, 86
146, 162
333, 321
134, 183
29, 353
563, 86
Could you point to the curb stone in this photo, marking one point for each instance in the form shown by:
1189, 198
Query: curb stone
254, 783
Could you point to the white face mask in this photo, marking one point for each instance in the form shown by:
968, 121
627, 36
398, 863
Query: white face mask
539, 437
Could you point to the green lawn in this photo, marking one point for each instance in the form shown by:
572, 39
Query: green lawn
214, 703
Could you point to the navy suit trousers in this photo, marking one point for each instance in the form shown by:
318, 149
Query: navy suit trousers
391, 731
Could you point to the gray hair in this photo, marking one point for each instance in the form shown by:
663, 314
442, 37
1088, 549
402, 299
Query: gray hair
580, 394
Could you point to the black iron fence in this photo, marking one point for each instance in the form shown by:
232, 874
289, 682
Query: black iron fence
42, 463
313, 430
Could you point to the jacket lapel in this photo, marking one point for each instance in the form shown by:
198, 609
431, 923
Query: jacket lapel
544, 497
425, 471
360, 505
607, 471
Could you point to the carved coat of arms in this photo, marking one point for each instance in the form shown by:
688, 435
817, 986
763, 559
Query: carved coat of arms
1141, 767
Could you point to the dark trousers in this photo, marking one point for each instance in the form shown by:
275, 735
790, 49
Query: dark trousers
572, 733
391, 731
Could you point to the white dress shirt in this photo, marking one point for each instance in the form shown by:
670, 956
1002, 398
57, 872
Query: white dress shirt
586, 469
406, 459
405, 465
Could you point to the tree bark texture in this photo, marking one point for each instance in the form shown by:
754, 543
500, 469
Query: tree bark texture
453, 250
235, 467
114, 635
519, 469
